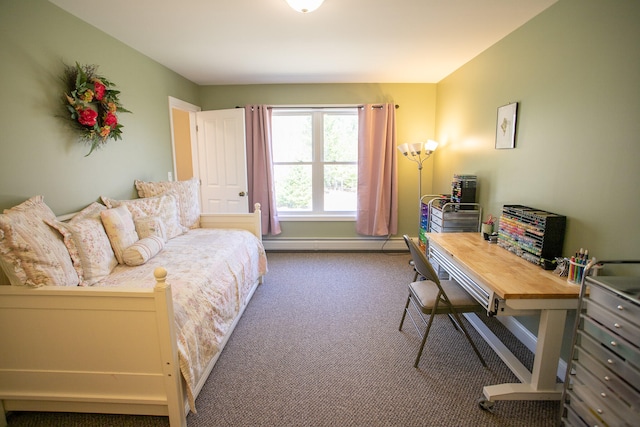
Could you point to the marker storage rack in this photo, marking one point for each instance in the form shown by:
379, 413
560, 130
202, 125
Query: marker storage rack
532, 234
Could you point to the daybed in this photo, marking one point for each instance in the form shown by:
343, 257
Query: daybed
129, 325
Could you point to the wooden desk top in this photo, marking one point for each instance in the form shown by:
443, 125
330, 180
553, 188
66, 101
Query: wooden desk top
508, 275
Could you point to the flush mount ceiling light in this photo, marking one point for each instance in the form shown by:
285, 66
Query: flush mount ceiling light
304, 6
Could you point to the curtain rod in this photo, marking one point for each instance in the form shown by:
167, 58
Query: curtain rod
322, 107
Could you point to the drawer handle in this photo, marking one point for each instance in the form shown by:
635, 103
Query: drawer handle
614, 344
610, 361
604, 395
617, 325
600, 411
620, 308
606, 378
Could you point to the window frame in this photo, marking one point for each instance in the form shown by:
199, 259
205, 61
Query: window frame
317, 162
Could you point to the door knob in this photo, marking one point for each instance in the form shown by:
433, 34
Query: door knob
242, 194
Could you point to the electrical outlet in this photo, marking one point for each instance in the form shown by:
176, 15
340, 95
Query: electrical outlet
170, 176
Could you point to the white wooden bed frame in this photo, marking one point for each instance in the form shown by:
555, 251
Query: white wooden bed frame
122, 369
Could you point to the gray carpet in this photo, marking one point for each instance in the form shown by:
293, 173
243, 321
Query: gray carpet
319, 346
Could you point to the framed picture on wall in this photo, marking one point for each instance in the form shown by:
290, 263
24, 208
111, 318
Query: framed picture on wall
506, 126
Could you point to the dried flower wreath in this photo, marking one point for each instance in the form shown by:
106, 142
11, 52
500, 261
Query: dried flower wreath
93, 104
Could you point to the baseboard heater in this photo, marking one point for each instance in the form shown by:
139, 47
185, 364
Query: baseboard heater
329, 244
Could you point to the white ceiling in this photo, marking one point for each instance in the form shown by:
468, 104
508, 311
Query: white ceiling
221, 42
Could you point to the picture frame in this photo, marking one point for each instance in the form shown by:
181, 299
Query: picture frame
506, 126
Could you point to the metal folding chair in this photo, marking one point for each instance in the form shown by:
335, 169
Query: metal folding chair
432, 296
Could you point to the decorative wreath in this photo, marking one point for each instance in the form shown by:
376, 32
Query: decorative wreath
93, 105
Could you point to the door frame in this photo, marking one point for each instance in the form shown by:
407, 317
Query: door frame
178, 104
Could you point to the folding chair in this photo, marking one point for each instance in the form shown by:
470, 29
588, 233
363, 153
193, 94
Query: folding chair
432, 296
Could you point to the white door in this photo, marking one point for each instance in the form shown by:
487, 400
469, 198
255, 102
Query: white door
222, 165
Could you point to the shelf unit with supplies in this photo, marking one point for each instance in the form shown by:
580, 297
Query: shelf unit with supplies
452, 217
533, 234
602, 385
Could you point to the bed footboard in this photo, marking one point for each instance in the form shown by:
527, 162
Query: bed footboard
90, 350
251, 222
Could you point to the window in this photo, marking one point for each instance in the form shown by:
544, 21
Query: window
315, 155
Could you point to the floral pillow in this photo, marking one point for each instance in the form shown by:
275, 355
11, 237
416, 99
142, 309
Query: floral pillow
31, 250
163, 206
118, 223
187, 194
142, 250
88, 244
150, 226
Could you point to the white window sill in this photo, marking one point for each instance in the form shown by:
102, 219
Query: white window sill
321, 218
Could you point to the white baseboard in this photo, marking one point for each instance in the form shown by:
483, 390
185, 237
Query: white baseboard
526, 337
355, 244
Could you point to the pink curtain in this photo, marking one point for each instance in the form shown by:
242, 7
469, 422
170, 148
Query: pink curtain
377, 174
261, 187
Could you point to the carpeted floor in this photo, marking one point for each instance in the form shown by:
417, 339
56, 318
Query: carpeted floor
319, 346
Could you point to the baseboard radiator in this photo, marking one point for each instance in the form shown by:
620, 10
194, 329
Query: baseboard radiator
335, 244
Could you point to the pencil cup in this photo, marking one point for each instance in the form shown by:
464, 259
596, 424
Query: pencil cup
576, 271
486, 230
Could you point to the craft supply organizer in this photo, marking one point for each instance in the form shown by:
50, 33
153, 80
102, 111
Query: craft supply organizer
533, 234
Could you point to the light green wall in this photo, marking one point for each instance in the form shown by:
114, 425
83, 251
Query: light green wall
415, 121
38, 152
575, 71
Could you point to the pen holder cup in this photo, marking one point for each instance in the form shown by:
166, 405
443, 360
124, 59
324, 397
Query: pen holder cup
576, 271
486, 230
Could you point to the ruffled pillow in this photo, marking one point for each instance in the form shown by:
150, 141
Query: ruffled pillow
88, 244
118, 223
164, 206
187, 194
32, 252
142, 250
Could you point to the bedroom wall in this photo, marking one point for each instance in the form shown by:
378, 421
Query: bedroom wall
38, 152
574, 69
415, 121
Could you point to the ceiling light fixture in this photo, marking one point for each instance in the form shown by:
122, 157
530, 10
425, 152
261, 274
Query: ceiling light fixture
304, 6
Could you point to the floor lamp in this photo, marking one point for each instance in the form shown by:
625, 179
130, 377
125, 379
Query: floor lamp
418, 152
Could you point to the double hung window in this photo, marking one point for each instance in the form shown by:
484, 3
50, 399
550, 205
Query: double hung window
315, 161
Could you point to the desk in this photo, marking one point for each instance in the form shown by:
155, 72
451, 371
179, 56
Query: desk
507, 285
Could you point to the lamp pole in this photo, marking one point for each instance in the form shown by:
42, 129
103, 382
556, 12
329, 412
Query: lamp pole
418, 152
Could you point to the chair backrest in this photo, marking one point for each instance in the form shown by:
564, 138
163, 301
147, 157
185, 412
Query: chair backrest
420, 261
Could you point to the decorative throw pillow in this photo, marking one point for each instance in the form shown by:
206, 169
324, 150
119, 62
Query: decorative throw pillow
142, 250
118, 223
163, 206
187, 194
88, 244
150, 226
35, 251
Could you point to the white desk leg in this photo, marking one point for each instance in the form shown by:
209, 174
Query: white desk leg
543, 385
548, 346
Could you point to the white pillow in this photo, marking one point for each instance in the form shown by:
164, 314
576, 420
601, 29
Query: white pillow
164, 206
187, 194
32, 252
142, 250
88, 244
118, 223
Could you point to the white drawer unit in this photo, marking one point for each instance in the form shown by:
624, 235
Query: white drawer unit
602, 387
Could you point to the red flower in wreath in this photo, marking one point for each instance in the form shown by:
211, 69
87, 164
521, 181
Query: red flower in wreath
99, 89
87, 117
110, 119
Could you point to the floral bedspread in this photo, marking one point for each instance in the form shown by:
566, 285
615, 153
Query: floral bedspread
211, 272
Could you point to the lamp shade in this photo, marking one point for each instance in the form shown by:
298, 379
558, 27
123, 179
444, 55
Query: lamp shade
430, 145
305, 6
